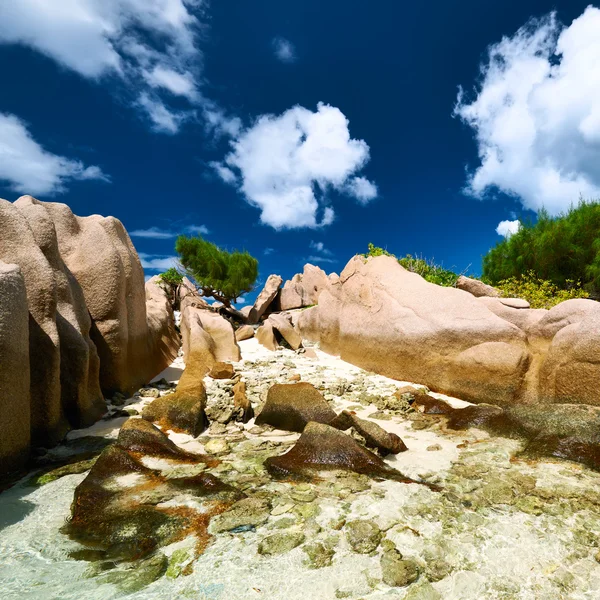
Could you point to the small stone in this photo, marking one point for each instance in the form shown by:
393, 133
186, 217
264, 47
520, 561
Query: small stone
363, 536
380, 416
398, 571
423, 591
282, 509
319, 555
303, 495
434, 448
222, 370
256, 430
283, 523
279, 543
216, 446
419, 424
597, 557
294, 377
249, 511
149, 393
217, 429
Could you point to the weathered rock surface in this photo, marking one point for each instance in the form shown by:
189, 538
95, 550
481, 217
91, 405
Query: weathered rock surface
477, 288
265, 298
293, 406
241, 402
207, 337
118, 508
94, 327
265, 335
374, 435
324, 448
388, 320
304, 288
14, 370
222, 370
283, 325
245, 332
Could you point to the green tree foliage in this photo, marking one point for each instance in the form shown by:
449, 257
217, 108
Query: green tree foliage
540, 293
219, 274
562, 251
425, 268
171, 277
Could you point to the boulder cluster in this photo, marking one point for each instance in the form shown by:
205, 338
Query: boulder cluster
77, 323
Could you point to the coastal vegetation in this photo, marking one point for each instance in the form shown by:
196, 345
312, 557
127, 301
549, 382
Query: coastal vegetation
218, 273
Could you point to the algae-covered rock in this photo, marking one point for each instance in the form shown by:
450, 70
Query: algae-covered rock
138, 575
292, 406
71, 469
363, 536
319, 555
279, 543
423, 591
323, 448
179, 412
374, 435
398, 571
247, 512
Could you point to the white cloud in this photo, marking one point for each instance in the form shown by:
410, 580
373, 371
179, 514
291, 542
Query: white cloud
362, 189
150, 45
536, 115
320, 259
156, 233
268, 251
29, 168
157, 262
284, 50
284, 165
507, 228
179, 84
225, 173
320, 248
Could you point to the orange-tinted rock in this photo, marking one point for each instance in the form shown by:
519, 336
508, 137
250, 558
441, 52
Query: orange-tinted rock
241, 402
245, 332
222, 370
265, 335
264, 299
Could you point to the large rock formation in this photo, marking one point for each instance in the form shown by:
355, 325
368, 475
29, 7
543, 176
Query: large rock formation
385, 319
304, 288
89, 331
264, 299
14, 369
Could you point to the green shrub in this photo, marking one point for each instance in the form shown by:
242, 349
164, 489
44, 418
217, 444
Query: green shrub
558, 250
218, 273
540, 293
171, 277
425, 268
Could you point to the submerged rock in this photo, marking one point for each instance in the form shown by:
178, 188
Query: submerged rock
324, 448
363, 536
292, 406
398, 571
250, 512
279, 543
119, 507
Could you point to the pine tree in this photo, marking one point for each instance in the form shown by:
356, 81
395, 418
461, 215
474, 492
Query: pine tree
218, 273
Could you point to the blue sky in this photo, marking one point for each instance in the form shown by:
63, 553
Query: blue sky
301, 131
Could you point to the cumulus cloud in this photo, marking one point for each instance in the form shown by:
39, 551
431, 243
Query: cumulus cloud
158, 262
536, 114
507, 228
149, 45
284, 50
28, 168
156, 233
285, 165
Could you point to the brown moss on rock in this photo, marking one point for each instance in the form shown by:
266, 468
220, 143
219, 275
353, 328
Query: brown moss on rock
324, 448
374, 435
292, 406
118, 507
